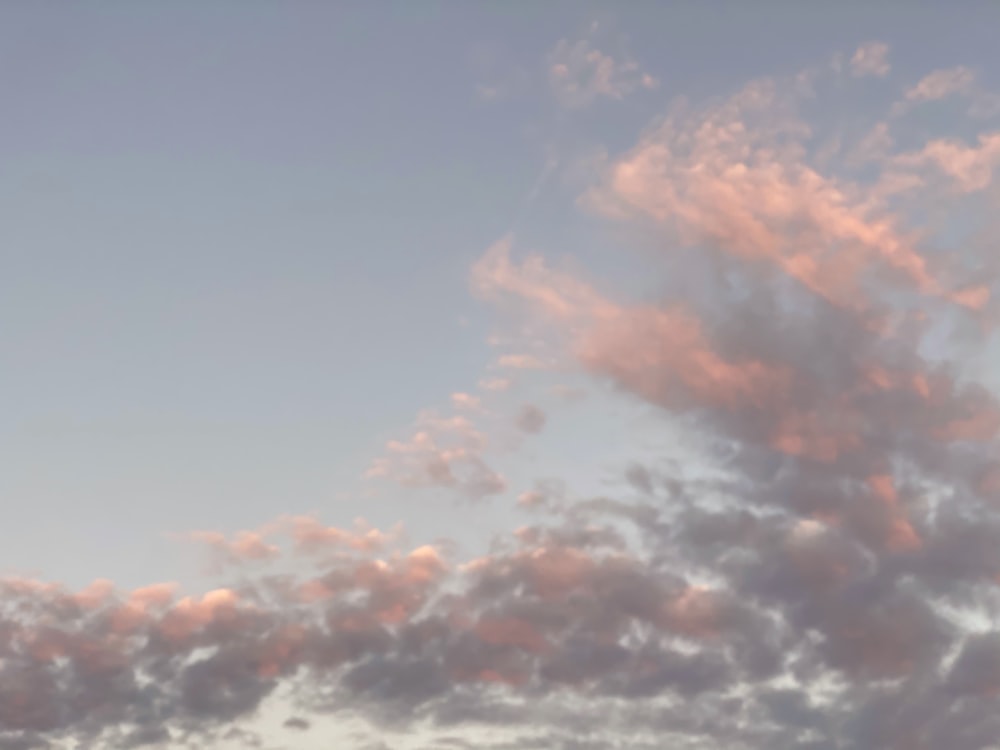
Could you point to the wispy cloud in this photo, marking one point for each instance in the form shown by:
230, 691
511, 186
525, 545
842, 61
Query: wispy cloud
444, 452
940, 84
959, 82
871, 59
521, 362
580, 73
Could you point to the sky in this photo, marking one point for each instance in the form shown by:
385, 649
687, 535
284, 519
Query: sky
446, 375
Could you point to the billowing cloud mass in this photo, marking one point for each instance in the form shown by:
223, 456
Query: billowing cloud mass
829, 581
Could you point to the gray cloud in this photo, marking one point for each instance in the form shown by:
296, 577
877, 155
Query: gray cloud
531, 419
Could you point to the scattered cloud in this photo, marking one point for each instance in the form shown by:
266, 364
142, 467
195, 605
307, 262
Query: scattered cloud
580, 74
828, 580
521, 362
871, 59
958, 82
548, 494
248, 546
443, 452
568, 393
495, 384
968, 168
940, 84
466, 401
500, 75
297, 723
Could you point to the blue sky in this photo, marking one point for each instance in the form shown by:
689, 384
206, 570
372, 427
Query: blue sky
244, 262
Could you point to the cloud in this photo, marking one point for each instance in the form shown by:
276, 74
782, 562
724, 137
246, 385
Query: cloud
958, 82
871, 59
568, 393
246, 547
308, 537
857, 460
970, 168
580, 74
466, 401
733, 177
827, 578
521, 362
495, 384
499, 76
566, 615
940, 84
681, 367
444, 452
531, 419
548, 494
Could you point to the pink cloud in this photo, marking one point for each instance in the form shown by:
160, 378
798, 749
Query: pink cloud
466, 401
580, 74
614, 341
495, 384
970, 168
246, 546
871, 59
310, 536
763, 208
521, 362
941, 83
804, 592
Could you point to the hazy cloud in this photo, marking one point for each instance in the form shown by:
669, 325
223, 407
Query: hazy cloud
871, 59
580, 73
